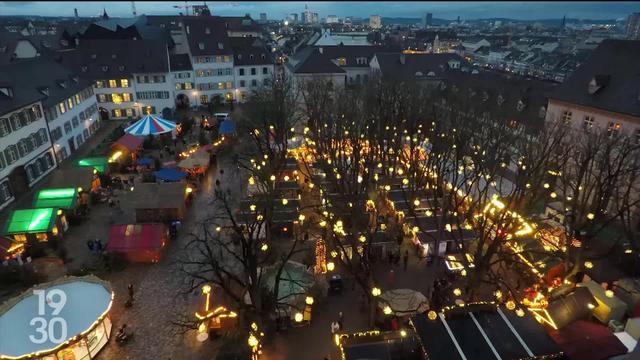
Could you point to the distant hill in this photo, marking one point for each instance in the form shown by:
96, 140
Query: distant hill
547, 22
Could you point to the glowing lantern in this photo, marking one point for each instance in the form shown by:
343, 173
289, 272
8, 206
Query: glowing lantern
272, 178
403, 333
387, 310
432, 315
608, 293
362, 238
376, 291
301, 217
591, 216
588, 264
457, 292
264, 247
253, 341
511, 305
285, 201
520, 312
331, 266
416, 202
309, 300
286, 178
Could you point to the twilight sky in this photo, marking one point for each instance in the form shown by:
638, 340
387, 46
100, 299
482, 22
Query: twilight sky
278, 10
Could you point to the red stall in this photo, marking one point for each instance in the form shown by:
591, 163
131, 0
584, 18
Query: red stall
139, 242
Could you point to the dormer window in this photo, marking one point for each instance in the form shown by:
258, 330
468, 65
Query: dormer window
500, 99
94, 56
201, 46
75, 79
105, 68
597, 83
239, 56
114, 56
361, 61
251, 57
207, 31
485, 96
220, 46
262, 56
121, 67
342, 61
520, 105
84, 68
6, 91
62, 84
431, 73
44, 91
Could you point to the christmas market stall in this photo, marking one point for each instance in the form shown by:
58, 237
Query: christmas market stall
375, 344
100, 164
66, 199
585, 340
483, 331
139, 242
159, 202
196, 164
284, 213
169, 175
29, 226
80, 178
125, 149
403, 302
609, 306
7, 250
77, 310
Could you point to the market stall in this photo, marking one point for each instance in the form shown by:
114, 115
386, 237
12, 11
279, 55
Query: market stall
576, 305
585, 340
80, 178
483, 331
125, 148
138, 242
100, 164
85, 314
66, 199
169, 175
159, 202
403, 302
196, 164
28, 226
379, 345
609, 306
150, 125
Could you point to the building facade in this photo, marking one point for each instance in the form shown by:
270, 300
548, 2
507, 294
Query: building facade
375, 22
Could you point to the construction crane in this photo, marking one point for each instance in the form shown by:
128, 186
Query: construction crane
133, 8
185, 6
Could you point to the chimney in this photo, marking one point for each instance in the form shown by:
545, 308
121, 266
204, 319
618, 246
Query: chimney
403, 59
321, 51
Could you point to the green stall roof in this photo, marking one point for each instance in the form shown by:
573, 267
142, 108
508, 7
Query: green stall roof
98, 163
30, 221
64, 198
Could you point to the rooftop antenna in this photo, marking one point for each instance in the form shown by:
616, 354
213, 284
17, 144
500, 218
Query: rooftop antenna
133, 8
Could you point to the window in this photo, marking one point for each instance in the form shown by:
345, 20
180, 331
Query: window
130, 112
56, 133
218, 59
74, 121
178, 86
99, 84
188, 86
85, 132
588, 122
113, 83
69, 103
254, 83
220, 86
124, 82
116, 113
566, 116
227, 58
242, 83
204, 99
42, 134
37, 111
265, 71
241, 72
253, 71
49, 159
342, 61
229, 85
62, 108
78, 140
126, 97
265, 81
5, 191
613, 129
14, 120
2, 163
11, 154
67, 127
102, 98
116, 98
22, 147
201, 46
149, 110
5, 129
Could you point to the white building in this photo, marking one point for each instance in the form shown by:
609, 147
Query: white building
253, 65
331, 19
29, 90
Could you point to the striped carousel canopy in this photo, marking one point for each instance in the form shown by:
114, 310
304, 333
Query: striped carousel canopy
150, 125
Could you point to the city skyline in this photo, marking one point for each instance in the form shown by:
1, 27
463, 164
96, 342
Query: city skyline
279, 10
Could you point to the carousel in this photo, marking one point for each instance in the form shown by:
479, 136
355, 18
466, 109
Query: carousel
67, 319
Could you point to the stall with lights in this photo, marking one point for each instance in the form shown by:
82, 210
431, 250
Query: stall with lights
99, 164
29, 226
159, 202
139, 242
79, 305
483, 331
66, 199
375, 344
213, 320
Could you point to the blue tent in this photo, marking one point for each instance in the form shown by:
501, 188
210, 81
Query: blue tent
145, 161
169, 174
227, 127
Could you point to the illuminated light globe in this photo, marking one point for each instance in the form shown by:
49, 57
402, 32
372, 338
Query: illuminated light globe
416, 202
285, 201
403, 333
309, 300
252, 341
457, 292
511, 305
588, 264
608, 293
591, 216
387, 310
264, 247
432, 315
331, 266
520, 312
376, 291
298, 317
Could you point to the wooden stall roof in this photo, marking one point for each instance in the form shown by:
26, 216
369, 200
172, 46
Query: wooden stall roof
72, 178
169, 195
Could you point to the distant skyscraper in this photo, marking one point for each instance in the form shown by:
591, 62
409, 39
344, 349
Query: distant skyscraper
375, 22
263, 17
633, 27
315, 18
293, 18
75, 12
427, 20
331, 19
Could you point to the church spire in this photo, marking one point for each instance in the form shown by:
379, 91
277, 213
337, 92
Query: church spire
104, 14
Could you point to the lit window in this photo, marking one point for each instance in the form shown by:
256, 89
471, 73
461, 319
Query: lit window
178, 86
188, 86
566, 116
116, 98
220, 86
126, 97
342, 61
70, 103
78, 99
229, 85
613, 129
62, 108
204, 99
117, 113
227, 58
124, 82
112, 83
588, 122
130, 112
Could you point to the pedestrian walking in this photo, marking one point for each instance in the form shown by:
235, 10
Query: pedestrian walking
335, 327
98, 246
130, 291
340, 320
392, 276
90, 245
406, 259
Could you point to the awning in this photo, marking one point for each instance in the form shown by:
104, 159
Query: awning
585, 340
30, 221
404, 302
145, 161
64, 198
227, 127
98, 163
136, 237
150, 125
170, 174
129, 142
